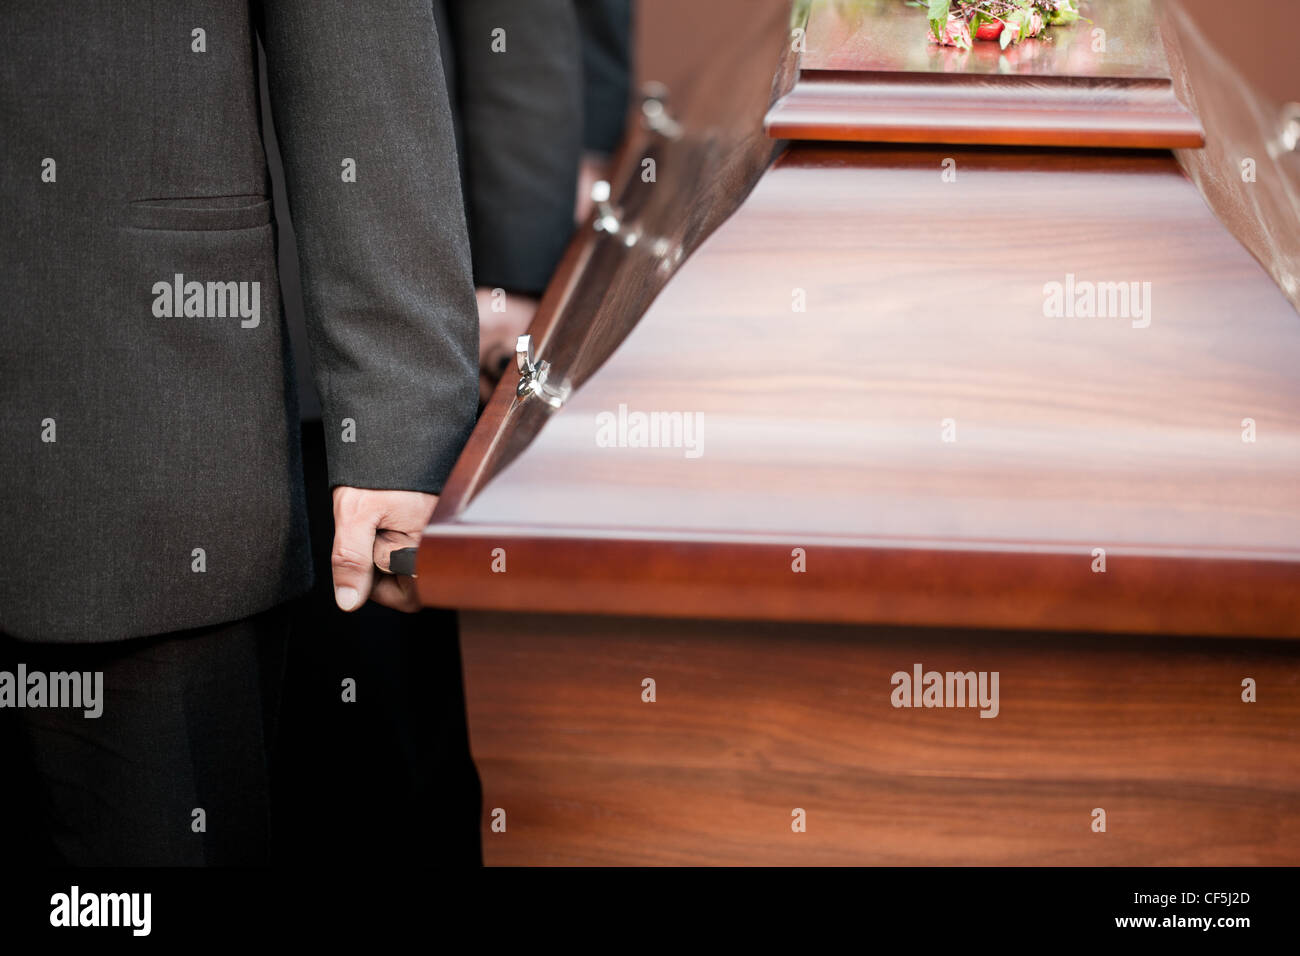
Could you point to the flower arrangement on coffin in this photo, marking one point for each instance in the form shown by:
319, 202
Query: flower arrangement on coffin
956, 22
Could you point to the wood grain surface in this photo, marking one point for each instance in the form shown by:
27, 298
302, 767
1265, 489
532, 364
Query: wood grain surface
824, 429
869, 74
718, 80
754, 720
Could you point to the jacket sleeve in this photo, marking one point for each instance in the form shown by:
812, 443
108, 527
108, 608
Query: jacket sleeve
357, 93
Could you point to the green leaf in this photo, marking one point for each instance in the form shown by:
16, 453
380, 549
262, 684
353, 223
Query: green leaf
1004, 40
938, 14
1065, 14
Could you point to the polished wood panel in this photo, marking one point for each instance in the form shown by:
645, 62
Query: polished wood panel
997, 112
753, 720
720, 78
889, 36
673, 574
871, 75
1265, 57
823, 429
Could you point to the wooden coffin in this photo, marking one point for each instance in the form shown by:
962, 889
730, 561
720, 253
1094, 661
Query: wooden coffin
890, 457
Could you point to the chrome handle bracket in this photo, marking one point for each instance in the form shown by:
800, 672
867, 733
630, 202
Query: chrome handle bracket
533, 376
654, 111
1288, 135
608, 219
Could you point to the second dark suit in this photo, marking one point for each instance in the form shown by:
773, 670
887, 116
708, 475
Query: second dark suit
514, 73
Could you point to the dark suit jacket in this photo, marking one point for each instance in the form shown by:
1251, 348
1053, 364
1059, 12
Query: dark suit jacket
606, 28
520, 132
179, 433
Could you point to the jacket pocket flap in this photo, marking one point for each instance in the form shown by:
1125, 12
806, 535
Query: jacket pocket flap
200, 213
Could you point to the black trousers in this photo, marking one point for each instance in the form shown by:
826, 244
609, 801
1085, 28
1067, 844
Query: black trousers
190, 721
385, 779
176, 769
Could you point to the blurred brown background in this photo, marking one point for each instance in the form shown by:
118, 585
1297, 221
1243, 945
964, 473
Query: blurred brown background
1258, 36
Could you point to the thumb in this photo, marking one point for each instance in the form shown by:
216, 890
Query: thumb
352, 558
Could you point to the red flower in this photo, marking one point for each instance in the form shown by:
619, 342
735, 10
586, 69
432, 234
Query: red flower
957, 34
1018, 18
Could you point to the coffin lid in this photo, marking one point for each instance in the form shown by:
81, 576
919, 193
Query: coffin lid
869, 73
895, 429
